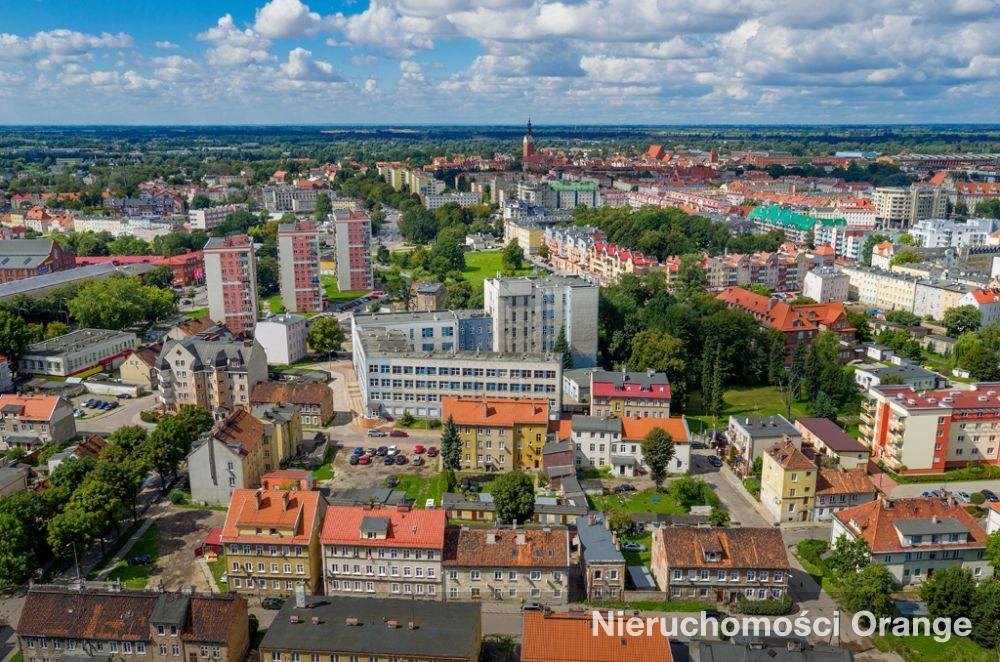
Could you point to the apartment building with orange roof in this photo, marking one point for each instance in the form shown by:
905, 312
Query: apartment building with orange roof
31, 421
616, 443
271, 541
499, 433
383, 552
548, 636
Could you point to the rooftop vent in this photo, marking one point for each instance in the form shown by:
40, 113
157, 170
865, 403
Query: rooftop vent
351, 621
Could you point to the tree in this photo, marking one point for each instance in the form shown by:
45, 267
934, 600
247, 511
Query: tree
169, 443
869, 589
719, 517
197, 420
128, 245
691, 278
451, 446
993, 549
382, 254
200, 201
56, 329
323, 207
904, 317
71, 473
325, 335
823, 407
73, 527
870, 242
982, 364
543, 251
14, 336
949, 592
657, 452
561, 346
118, 303
619, 520
962, 319
514, 497
986, 614
161, 277
661, 352
16, 554
906, 239
512, 258
267, 276
859, 321
776, 354
849, 556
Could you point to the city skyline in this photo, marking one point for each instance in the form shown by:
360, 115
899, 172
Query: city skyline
404, 62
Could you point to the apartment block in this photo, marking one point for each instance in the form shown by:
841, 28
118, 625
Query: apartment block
499, 433
720, 565
231, 278
898, 206
232, 456
460, 198
210, 374
209, 218
616, 443
396, 377
78, 351
289, 198
298, 256
507, 565
383, 552
629, 394
929, 431
826, 285
602, 562
353, 243
528, 314
31, 421
271, 540
283, 338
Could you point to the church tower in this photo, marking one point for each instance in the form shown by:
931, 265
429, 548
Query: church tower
528, 148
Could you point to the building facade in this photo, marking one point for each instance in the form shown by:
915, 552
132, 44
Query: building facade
313, 400
24, 258
232, 456
283, 338
78, 351
629, 394
616, 443
499, 433
298, 257
210, 374
602, 563
353, 242
231, 279
31, 421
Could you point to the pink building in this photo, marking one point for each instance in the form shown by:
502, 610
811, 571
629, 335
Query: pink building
298, 254
353, 238
231, 277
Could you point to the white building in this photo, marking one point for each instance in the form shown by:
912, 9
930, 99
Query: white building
209, 218
987, 301
825, 285
942, 233
433, 331
77, 351
903, 206
616, 443
461, 198
528, 314
283, 338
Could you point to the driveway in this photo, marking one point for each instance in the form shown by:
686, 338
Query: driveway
915, 489
126, 413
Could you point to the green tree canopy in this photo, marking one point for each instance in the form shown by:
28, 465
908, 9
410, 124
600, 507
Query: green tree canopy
514, 497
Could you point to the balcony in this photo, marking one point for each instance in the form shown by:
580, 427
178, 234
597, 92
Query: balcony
867, 418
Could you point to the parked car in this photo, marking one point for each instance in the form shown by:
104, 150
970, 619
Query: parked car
963, 497
388, 461
698, 445
123, 396
400, 459
393, 451
364, 459
417, 461
940, 494
141, 559
624, 487
533, 606
359, 451
371, 452
432, 451
272, 603
399, 433
714, 461
926, 494
990, 496
633, 547
377, 433
353, 460
418, 449
382, 451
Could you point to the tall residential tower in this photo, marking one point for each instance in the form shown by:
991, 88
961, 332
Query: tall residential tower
231, 278
298, 255
353, 238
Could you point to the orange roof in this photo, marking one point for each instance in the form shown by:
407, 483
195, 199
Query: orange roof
875, 522
938, 178
403, 527
271, 509
29, 407
562, 428
638, 428
240, 429
788, 456
986, 296
778, 314
569, 637
502, 412
825, 249
844, 481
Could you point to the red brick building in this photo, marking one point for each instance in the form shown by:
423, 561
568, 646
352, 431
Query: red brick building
24, 258
231, 277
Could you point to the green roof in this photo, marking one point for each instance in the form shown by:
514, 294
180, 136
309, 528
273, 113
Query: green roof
788, 217
573, 186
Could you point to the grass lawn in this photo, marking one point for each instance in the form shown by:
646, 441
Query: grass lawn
115, 548
639, 558
334, 294
752, 486
480, 265
648, 501
420, 489
925, 649
419, 424
971, 472
274, 304
200, 312
136, 576
325, 471
218, 567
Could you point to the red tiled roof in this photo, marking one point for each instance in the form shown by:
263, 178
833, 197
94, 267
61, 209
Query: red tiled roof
638, 428
241, 429
504, 412
271, 510
296, 393
33, 407
685, 547
875, 522
619, 388
568, 637
781, 316
788, 456
986, 296
844, 481
464, 546
406, 527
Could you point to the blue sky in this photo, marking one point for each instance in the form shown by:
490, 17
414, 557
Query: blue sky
498, 61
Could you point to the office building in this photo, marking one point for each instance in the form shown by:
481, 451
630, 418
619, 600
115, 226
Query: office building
78, 351
298, 258
439, 330
231, 279
529, 314
353, 243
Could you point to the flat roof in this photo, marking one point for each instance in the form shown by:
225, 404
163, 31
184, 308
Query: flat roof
77, 340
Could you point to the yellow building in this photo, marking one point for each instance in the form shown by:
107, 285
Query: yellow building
283, 430
271, 541
499, 433
788, 483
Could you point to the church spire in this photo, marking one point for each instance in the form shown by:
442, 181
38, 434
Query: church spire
529, 127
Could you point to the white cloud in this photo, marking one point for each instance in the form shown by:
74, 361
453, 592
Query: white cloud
287, 19
302, 66
234, 47
166, 45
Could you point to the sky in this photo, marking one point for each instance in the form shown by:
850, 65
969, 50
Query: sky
499, 61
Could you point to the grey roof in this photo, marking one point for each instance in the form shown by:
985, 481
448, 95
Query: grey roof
170, 609
595, 424
378, 525
277, 412
430, 288
37, 284
209, 352
24, 253
623, 460
10, 475
579, 375
904, 372
832, 435
76, 340
284, 318
641, 378
442, 629
596, 541
925, 526
641, 577
765, 426
767, 650
377, 495
382, 342
556, 447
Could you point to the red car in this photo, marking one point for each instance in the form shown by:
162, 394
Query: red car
364, 459
418, 449
398, 433
432, 451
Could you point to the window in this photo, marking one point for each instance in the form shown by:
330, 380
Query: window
175, 650
536, 575
474, 575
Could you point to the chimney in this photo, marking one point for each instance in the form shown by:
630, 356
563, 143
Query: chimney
294, 618
412, 625
350, 621
491, 537
521, 539
934, 518
392, 625
257, 497
314, 620
284, 500
300, 596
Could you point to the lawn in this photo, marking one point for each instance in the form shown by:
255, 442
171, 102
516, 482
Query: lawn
419, 424
648, 501
970, 472
334, 294
925, 649
480, 265
653, 605
759, 400
218, 568
639, 558
115, 548
420, 488
325, 471
200, 312
136, 576
274, 304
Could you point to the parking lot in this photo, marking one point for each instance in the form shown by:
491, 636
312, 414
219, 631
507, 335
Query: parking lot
375, 472
126, 412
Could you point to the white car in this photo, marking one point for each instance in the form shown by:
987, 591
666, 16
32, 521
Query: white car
393, 451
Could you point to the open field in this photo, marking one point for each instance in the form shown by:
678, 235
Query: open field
480, 265
334, 294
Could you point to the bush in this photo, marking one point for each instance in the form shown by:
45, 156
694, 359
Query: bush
779, 607
150, 416
434, 424
812, 550
177, 497
978, 498
407, 420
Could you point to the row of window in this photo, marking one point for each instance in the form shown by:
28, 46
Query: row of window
498, 575
381, 552
272, 550
261, 567
369, 587
750, 593
113, 647
249, 582
731, 575
393, 571
443, 371
315, 657
374, 382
